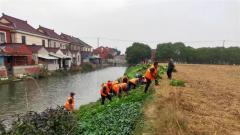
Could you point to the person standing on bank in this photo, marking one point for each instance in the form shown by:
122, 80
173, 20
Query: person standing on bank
170, 68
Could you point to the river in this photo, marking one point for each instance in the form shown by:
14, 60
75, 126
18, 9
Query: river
37, 95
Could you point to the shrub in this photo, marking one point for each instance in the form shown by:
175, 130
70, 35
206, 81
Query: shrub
86, 67
50, 122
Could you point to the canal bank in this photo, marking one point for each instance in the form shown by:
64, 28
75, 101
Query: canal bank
121, 115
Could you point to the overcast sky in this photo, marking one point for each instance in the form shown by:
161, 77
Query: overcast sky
119, 22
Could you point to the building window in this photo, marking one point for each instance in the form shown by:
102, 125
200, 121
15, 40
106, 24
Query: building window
43, 42
2, 37
54, 44
61, 45
23, 39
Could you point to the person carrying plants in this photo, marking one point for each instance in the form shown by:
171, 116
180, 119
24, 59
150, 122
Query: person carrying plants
149, 76
69, 105
170, 68
105, 94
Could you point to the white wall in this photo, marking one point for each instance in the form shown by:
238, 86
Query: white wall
30, 39
52, 67
57, 44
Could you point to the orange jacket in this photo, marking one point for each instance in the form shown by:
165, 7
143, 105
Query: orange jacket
134, 81
155, 71
116, 88
103, 93
68, 106
149, 75
108, 89
73, 102
123, 86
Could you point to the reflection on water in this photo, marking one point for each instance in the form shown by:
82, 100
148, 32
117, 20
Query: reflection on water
50, 92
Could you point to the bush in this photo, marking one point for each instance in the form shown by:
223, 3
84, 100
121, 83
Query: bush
50, 122
177, 83
86, 67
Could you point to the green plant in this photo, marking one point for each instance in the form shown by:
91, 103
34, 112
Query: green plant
174, 82
86, 67
117, 117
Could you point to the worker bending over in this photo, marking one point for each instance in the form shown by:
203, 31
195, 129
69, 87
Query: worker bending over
104, 94
69, 105
116, 88
132, 83
124, 85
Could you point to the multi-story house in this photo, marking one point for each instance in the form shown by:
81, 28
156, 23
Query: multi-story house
22, 32
54, 40
74, 47
86, 51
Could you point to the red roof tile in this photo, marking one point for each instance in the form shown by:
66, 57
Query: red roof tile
19, 24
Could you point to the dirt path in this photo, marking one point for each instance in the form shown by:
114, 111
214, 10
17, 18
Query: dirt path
209, 104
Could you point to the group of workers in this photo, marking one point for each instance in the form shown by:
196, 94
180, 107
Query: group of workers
124, 85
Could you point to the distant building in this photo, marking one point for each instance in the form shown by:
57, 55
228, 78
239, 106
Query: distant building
106, 52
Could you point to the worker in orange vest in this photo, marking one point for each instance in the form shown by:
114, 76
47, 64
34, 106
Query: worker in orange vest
124, 85
69, 105
155, 66
116, 88
150, 74
105, 94
132, 83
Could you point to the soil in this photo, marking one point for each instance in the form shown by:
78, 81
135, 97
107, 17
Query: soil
209, 104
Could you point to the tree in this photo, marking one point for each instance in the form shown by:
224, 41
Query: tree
205, 55
138, 52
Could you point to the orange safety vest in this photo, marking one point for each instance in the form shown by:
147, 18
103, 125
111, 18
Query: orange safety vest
103, 93
68, 106
73, 102
108, 89
123, 86
148, 75
156, 69
134, 80
116, 88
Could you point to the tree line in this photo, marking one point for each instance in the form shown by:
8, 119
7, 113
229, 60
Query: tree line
184, 54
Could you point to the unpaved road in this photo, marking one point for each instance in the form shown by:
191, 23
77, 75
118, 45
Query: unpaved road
209, 104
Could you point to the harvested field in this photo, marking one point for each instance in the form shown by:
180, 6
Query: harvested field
209, 104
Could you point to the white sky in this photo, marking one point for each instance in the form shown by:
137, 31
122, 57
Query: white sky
152, 21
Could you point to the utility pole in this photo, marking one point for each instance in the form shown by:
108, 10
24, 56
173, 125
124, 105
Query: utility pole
98, 42
223, 43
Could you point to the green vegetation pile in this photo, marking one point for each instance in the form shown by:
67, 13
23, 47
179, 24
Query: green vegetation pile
49, 122
175, 82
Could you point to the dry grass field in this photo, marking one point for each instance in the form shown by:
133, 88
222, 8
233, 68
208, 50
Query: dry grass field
209, 104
